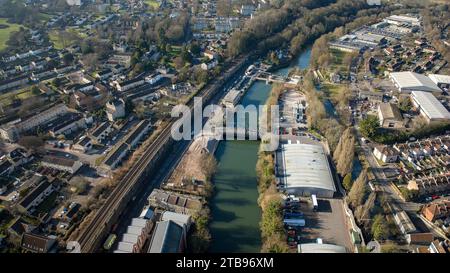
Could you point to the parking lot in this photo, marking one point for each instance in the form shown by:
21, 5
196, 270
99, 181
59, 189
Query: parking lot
328, 223
292, 110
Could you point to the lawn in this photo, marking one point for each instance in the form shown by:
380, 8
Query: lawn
70, 37
337, 60
6, 32
7, 98
153, 4
331, 89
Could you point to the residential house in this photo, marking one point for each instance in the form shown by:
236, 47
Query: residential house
436, 210
154, 78
115, 109
386, 154
37, 243
61, 163
83, 145
37, 195
101, 132
129, 84
209, 64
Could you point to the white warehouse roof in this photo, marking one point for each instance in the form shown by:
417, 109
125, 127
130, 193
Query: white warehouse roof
320, 248
430, 106
306, 166
411, 81
439, 79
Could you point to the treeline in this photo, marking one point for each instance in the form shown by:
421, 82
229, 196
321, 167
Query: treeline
294, 24
317, 117
18, 13
436, 20
272, 229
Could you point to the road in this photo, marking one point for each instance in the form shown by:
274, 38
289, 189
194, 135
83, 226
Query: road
388, 189
165, 170
384, 184
96, 229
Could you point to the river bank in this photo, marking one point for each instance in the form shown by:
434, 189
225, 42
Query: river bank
236, 205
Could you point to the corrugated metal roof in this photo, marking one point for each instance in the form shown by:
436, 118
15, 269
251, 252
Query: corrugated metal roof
306, 165
437, 78
428, 103
320, 248
414, 81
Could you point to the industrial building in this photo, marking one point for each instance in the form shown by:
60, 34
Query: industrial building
389, 116
443, 81
403, 20
170, 233
409, 81
430, 108
232, 98
320, 248
305, 170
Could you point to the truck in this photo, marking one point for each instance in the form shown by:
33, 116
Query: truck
294, 222
315, 203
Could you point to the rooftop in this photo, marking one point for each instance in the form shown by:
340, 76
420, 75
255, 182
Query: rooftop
166, 238
414, 81
320, 248
390, 111
306, 165
430, 105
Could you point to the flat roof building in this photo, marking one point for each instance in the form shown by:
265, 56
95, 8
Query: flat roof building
442, 81
306, 170
430, 108
389, 115
320, 248
410, 81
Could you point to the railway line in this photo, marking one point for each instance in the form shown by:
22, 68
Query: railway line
91, 235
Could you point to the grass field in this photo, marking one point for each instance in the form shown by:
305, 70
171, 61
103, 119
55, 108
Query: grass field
6, 99
6, 32
153, 4
70, 37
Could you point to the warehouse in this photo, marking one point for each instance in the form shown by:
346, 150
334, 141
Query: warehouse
320, 248
409, 81
305, 170
430, 108
443, 81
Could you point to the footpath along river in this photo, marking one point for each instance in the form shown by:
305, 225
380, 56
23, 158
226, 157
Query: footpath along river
235, 211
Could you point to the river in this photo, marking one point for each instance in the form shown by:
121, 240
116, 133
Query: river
235, 211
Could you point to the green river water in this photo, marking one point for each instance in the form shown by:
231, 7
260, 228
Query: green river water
235, 211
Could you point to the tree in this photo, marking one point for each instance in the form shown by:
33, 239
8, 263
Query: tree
195, 48
405, 104
379, 227
31, 142
224, 8
35, 90
344, 153
347, 182
80, 184
369, 126
57, 82
208, 165
409, 195
358, 191
68, 58
271, 222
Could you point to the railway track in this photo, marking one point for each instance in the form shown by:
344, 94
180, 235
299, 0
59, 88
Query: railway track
91, 235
